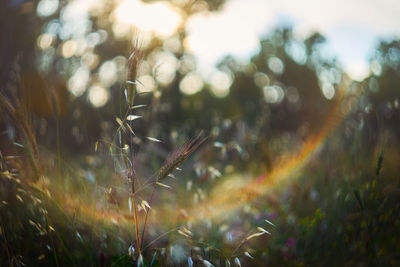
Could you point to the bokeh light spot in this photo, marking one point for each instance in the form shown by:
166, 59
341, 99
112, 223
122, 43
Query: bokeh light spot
292, 94
47, 8
221, 83
68, 48
90, 60
165, 67
108, 73
98, 96
146, 84
78, 82
276, 65
45, 41
328, 90
376, 68
191, 84
273, 94
261, 79
297, 51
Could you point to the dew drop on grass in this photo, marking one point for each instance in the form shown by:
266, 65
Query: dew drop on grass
254, 235
263, 230
133, 117
248, 255
207, 263
18, 144
237, 262
267, 221
153, 139
163, 185
19, 198
218, 144
79, 236
138, 106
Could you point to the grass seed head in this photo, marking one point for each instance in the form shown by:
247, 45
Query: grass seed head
134, 61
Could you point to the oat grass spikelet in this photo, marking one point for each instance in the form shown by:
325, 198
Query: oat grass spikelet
134, 61
179, 156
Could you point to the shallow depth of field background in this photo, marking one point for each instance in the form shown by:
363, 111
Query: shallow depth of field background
300, 103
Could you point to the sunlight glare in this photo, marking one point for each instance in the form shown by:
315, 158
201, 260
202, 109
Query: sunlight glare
358, 71
158, 18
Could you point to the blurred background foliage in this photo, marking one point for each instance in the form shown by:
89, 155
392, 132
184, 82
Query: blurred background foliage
66, 62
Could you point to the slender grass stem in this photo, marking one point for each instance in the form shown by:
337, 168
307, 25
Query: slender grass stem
161, 236
132, 183
58, 150
147, 214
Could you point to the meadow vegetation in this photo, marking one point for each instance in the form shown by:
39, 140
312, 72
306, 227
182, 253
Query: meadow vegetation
292, 164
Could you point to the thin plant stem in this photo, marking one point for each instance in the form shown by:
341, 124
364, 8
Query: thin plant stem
147, 214
161, 236
136, 221
58, 150
132, 182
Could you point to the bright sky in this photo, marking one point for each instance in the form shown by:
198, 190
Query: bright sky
352, 28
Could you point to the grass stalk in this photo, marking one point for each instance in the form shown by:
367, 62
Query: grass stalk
135, 217
147, 216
